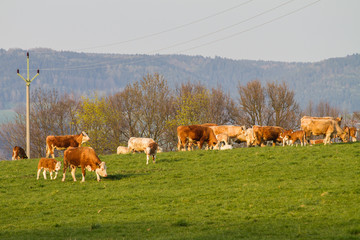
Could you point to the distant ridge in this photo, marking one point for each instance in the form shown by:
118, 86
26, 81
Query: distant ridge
335, 80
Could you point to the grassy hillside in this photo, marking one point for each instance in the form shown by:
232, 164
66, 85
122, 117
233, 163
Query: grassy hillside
254, 193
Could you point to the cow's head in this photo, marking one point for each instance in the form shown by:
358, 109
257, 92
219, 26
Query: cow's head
344, 137
57, 166
85, 137
213, 144
102, 170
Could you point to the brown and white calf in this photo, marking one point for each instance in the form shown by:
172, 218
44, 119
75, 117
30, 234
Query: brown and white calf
147, 145
86, 158
18, 153
294, 136
151, 151
63, 142
48, 164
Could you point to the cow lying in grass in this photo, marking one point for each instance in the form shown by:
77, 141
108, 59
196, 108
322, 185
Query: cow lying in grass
48, 164
86, 158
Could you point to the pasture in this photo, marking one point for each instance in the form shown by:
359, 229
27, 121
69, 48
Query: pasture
247, 193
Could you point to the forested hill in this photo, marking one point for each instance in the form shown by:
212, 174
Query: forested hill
336, 80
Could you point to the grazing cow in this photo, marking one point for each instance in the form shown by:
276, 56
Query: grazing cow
48, 164
85, 157
147, 145
18, 153
351, 132
322, 126
267, 133
233, 132
122, 150
250, 137
317, 141
63, 142
195, 133
294, 136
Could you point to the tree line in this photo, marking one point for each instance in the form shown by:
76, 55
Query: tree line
149, 108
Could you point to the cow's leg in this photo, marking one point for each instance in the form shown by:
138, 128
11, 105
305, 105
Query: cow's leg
327, 139
154, 157
44, 173
83, 173
56, 173
147, 159
38, 173
73, 173
51, 173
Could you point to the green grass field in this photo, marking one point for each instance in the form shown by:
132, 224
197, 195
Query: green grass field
247, 193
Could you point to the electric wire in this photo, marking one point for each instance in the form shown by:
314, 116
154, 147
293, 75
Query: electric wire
108, 63
168, 30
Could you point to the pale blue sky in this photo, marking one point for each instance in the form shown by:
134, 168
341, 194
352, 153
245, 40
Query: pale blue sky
281, 30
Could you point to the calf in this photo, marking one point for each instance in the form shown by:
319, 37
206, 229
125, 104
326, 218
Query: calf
222, 137
122, 150
151, 150
63, 142
48, 164
18, 153
85, 157
294, 136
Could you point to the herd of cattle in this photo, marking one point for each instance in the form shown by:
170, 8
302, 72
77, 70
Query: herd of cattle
213, 135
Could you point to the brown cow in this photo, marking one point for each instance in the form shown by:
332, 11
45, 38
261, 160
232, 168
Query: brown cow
195, 133
351, 132
48, 164
294, 136
18, 153
85, 157
267, 133
322, 126
63, 142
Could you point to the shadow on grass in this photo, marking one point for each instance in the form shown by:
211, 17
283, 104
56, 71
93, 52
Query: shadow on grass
167, 160
119, 176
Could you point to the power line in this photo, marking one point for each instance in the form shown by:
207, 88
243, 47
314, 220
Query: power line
168, 30
101, 64
249, 29
225, 28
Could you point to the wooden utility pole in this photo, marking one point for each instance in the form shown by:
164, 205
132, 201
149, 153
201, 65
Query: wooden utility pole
28, 81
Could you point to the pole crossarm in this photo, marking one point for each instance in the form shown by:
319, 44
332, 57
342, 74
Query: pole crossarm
28, 81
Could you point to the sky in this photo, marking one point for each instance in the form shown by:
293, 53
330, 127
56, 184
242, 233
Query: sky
274, 30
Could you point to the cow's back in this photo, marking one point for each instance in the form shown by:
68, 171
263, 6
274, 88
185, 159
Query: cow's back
81, 156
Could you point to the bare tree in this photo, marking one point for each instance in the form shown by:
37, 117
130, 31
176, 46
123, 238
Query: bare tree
222, 109
284, 110
252, 103
324, 109
155, 106
50, 114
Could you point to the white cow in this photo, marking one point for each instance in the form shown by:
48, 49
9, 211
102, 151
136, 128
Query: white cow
122, 150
